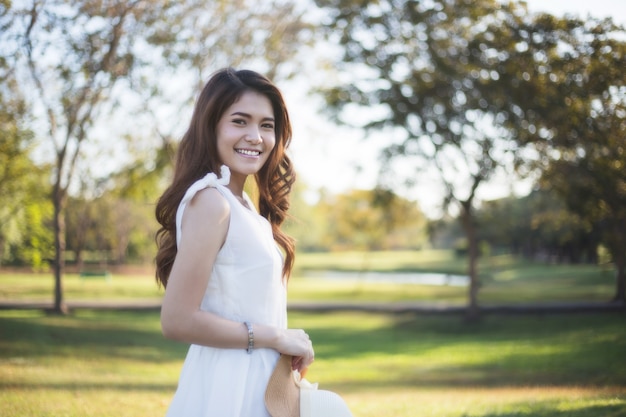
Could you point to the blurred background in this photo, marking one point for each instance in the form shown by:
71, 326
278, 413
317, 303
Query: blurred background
462, 159
473, 126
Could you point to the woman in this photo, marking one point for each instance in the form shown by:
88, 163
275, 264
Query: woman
218, 259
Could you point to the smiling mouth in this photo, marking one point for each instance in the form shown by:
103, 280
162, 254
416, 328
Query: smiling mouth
248, 152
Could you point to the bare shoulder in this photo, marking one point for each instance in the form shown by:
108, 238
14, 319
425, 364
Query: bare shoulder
208, 205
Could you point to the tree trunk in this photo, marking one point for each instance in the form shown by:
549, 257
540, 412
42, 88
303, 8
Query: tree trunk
467, 219
78, 259
59, 248
620, 280
616, 244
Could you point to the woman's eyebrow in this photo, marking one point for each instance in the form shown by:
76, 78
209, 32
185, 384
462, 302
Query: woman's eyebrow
248, 116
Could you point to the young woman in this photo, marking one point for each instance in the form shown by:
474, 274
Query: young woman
224, 265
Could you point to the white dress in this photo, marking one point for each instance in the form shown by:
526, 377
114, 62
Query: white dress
245, 285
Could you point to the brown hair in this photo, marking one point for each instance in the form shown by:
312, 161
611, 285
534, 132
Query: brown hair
197, 155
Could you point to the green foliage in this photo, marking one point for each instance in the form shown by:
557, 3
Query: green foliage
590, 175
574, 105
112, 226
25, 212
37, 248
26, 232
85, 65
482, 87
427, 67
374, 219
538, 226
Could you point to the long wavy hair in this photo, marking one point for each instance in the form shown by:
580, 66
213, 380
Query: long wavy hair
197, 155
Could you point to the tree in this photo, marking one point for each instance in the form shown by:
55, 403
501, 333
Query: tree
14, 145
373, 220
358, 219
23, 238
86, 57
410, 59
591, 178
307, 222
458, 85
538, 226
75, 56
568, 99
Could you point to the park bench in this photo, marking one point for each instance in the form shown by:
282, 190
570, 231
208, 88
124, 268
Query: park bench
87, 274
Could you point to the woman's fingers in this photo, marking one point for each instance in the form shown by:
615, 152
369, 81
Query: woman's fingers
301, 363
296, 342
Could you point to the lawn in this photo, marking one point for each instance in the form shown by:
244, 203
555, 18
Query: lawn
116, 363
505, 279
111, 363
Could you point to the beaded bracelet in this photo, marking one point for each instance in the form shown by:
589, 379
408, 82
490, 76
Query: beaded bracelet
250, 336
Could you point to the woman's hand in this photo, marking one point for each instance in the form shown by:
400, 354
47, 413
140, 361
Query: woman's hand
296, 342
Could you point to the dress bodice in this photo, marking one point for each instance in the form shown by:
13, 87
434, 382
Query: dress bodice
246, 282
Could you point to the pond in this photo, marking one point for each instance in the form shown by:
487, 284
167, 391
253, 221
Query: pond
419, 278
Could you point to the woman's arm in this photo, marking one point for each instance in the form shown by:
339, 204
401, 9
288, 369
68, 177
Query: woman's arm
205, 225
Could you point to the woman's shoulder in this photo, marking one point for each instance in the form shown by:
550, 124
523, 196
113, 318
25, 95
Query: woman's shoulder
208, 182
210, 202
205, 216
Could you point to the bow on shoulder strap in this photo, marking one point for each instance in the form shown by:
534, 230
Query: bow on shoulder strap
209, 180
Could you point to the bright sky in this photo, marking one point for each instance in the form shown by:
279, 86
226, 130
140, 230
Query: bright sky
338, 159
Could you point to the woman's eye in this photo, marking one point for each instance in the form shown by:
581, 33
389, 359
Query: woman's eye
268, 126
239, 121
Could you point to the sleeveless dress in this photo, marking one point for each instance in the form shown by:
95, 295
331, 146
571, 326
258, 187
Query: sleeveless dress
245, 285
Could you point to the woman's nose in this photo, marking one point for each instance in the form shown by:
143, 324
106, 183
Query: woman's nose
254, 136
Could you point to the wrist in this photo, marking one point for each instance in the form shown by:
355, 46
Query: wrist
266, 337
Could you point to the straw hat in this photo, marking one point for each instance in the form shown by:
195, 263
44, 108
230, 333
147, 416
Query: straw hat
289, 395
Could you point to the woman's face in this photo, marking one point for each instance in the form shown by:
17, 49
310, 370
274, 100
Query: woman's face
246, 134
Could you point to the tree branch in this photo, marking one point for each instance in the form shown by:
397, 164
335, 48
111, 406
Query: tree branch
34, 15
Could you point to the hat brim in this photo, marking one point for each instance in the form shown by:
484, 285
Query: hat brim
282, 395
318, 403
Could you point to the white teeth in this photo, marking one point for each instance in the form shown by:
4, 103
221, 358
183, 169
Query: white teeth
248, 152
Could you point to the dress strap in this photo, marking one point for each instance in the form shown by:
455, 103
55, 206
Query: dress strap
209, 180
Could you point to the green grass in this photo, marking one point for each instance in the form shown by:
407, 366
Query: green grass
505, 279
96, 364
107, 363
115, 363
40, 287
